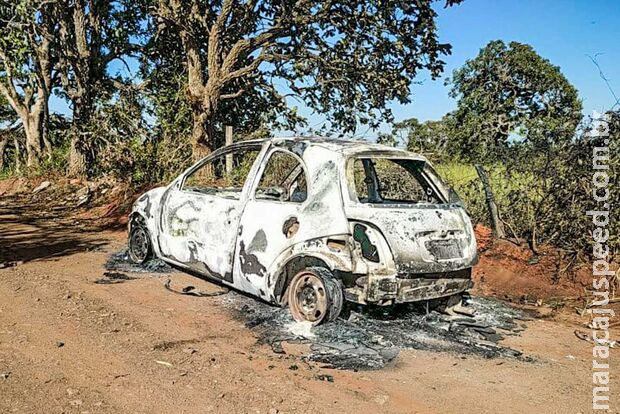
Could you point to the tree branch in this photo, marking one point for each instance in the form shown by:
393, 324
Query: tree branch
232, 95
8, 88
246, 70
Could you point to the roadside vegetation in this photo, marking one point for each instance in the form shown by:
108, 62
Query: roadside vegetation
150, 86
520, 119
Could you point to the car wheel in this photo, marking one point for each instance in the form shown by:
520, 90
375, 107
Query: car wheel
315, 296
139, 244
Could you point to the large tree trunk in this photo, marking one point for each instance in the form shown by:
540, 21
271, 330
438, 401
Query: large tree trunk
84, 26
200, 135
204, 136
4, 141
33, 149
34, 129
34, 119
78, 159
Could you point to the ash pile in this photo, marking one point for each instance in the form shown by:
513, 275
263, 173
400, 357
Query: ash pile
367, 338
120, 262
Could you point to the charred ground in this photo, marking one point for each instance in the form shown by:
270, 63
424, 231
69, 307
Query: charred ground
366, 337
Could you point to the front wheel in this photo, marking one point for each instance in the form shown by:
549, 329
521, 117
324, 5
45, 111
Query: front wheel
315, 296
139, 244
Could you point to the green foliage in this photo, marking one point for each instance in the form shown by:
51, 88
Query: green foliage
518, 116
56, 162
14, 43
431, 138
567, 224
344, 59
552, 204
387, 139
510, 96
131, 161
508, 191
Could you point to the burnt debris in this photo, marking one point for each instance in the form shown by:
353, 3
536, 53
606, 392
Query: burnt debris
111, 278
371, 338
192, 291
121, 262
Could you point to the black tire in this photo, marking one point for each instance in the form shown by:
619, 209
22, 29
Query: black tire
315, 295
140, 249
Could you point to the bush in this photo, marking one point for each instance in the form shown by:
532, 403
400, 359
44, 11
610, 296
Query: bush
131, 160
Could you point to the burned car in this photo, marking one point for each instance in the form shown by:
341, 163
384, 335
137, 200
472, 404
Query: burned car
310, 222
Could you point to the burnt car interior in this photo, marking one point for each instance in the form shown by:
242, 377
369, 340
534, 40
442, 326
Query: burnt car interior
393, 181
283, 179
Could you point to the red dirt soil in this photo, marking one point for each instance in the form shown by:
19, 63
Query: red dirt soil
513, 272
68, 344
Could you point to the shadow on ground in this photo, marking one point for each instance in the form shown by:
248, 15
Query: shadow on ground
32, 232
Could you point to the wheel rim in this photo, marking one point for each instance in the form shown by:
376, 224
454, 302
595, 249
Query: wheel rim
139, 245
308, 298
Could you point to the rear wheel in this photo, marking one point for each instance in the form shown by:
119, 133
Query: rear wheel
139, 244
315, 296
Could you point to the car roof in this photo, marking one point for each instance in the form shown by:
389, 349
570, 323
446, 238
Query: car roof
343, 146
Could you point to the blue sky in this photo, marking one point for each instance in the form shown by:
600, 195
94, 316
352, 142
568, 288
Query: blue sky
563, 31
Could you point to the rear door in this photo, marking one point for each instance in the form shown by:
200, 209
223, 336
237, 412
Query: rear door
202, 210
271, 218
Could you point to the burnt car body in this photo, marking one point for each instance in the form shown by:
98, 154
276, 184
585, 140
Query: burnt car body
312, 221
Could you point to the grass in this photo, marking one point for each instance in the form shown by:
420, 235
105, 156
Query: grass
512, 193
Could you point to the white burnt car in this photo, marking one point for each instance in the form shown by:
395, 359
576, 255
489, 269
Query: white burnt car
309, 222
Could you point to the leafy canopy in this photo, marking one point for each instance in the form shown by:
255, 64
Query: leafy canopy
509, 94
344, 59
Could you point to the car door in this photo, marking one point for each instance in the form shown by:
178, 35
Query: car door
270, 220
202, 210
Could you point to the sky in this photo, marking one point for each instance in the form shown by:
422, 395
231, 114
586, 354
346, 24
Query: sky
564, 31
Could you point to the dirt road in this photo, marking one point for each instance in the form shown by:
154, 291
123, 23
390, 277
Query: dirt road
69, 344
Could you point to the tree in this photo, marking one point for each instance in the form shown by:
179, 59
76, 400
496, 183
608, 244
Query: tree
26, 64
517, 113
572, 183
92, 35
388, 139
8, 127
431, 137
164, 67
510, 94
347, 59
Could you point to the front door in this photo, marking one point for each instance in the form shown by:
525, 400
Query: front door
202, 211
270, 220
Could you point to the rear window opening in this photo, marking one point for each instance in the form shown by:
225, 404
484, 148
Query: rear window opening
393, 181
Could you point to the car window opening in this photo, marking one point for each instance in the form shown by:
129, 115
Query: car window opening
393, 181
283, 179
224, 175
